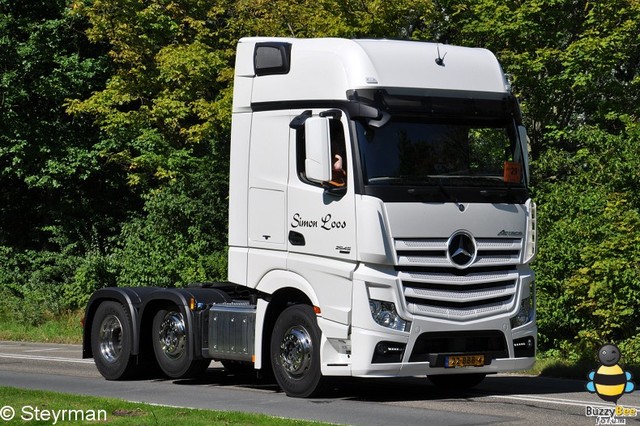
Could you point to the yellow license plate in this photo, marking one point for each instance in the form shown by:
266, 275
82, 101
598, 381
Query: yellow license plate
464, 361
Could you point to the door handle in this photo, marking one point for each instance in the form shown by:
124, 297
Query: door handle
296, 238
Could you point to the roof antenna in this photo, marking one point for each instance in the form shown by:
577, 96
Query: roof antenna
291, 29
440, 59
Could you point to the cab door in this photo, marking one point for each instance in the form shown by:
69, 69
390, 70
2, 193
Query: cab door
321, 227
321, 215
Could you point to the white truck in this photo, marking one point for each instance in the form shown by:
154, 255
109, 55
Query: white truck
380, 225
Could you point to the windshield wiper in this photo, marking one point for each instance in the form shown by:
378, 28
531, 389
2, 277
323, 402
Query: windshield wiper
386, 180
401, 180
429, 189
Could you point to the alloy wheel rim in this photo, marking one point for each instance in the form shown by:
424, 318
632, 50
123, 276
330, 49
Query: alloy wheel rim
110, 338
172, 335
295, 351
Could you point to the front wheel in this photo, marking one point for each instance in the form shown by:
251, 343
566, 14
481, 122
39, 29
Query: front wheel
170, 345
111, 341
295, 352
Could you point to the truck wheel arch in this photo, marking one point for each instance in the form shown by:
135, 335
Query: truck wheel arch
283, 289
128, 299
277, 281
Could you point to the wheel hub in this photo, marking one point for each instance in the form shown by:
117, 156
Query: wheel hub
172, 335
295, 351
110, 338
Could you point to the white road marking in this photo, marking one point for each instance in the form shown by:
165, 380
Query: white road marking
43, 350
558, 401
46, 358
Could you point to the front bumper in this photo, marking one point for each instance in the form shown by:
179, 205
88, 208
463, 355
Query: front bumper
376, 351
415, 361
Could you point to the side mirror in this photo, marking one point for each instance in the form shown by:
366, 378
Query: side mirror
524, 150
317, 163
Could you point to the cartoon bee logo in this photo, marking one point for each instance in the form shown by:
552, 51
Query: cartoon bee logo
610, 381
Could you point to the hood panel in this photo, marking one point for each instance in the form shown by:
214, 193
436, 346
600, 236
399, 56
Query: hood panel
441, 220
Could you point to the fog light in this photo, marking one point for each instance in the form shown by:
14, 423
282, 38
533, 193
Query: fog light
385, 314
525, 313
524, 347
386, 352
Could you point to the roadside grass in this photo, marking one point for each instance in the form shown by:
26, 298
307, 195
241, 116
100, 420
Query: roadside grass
64, 328
44, 407
562, 369
578, 370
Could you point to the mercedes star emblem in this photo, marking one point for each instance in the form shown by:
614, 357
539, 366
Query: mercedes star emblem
461, 249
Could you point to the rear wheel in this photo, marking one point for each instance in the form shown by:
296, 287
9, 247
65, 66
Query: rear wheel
171, 345
454, 382
111, 341
295, 352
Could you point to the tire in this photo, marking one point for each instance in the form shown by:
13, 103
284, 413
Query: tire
453, 382
171, 345
295, 352
112, 341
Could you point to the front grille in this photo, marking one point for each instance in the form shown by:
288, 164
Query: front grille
433, 252
433, 287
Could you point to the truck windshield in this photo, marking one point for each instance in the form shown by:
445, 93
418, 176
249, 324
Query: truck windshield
435, 145
410, 151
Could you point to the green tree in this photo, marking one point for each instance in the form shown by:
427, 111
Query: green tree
182, 237
589, 268
165, 102
55, 189
165, 119
330, 18
60, 200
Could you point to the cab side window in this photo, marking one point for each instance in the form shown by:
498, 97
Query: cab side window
338, 154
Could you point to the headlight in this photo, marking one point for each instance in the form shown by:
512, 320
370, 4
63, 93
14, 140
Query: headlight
385, 314
525, 314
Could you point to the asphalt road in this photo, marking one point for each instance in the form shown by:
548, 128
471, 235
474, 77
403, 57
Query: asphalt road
499, 400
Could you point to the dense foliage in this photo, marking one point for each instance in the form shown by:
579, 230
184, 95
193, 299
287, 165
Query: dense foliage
114, 135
